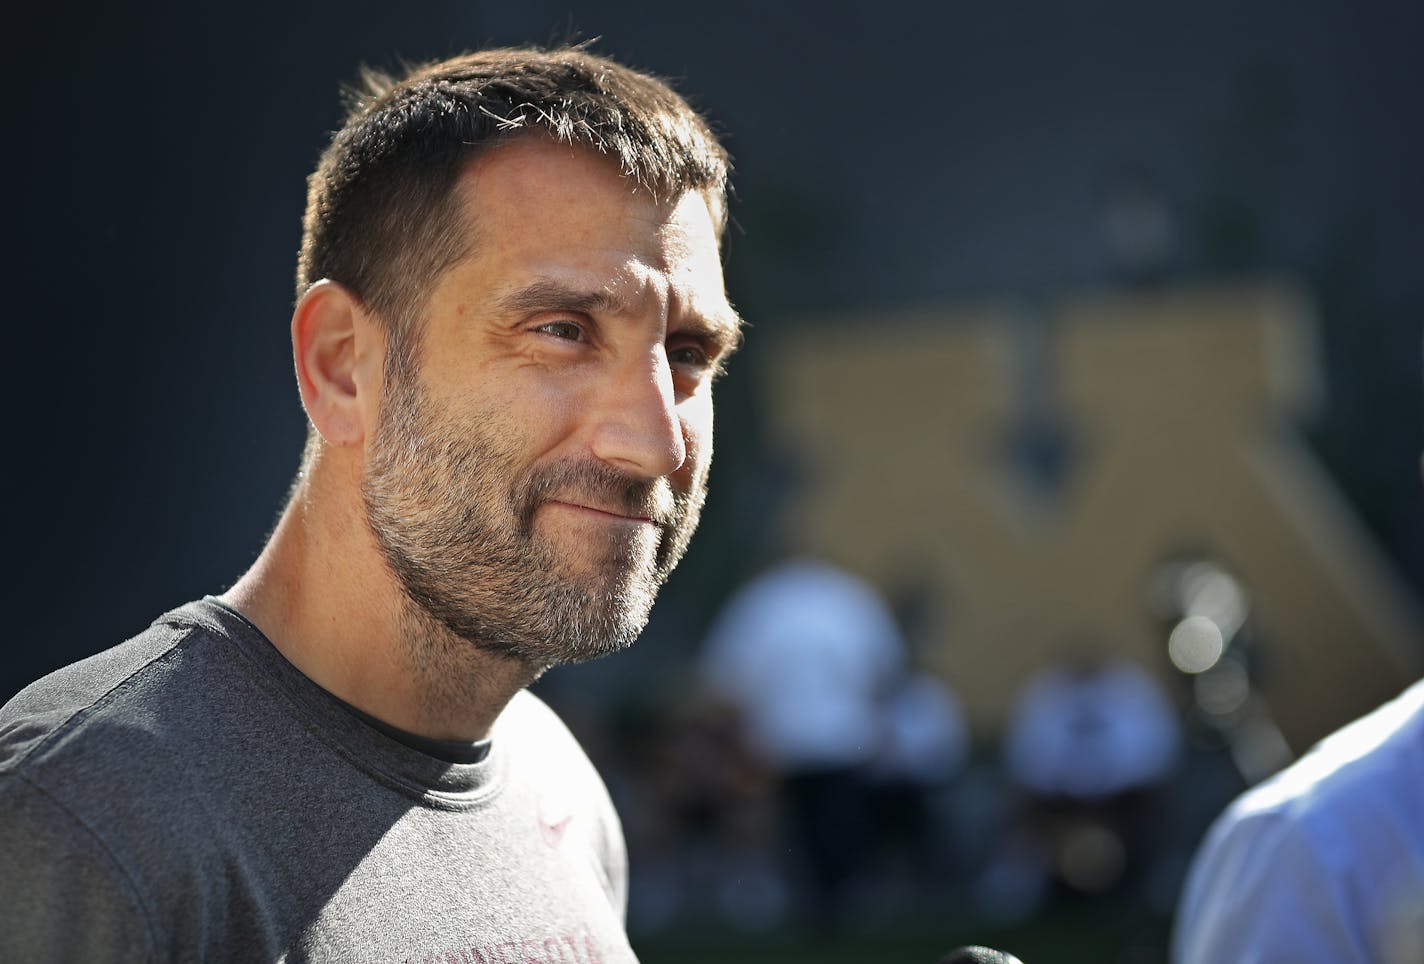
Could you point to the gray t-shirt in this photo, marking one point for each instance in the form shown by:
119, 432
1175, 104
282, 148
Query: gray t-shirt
190, 796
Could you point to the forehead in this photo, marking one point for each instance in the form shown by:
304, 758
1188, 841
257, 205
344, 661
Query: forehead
540, 207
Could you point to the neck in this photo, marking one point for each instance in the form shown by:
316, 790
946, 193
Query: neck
322, 593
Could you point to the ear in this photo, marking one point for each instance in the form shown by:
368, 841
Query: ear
334, 341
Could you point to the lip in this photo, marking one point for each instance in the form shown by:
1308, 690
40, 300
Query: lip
598, 513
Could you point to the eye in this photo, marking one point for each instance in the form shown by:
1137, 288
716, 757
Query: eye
563, 329
688, 356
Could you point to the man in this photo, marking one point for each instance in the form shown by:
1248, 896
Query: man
510, 313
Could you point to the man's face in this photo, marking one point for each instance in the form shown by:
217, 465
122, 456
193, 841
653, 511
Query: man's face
532, 484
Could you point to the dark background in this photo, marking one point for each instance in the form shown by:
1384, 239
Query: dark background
888, 154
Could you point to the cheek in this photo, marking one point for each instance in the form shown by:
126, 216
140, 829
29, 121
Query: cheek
542, 408
555, 409
697, 436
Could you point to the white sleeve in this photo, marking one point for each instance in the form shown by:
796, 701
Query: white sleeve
1262, 889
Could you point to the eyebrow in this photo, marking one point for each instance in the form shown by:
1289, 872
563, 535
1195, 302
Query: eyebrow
547, 294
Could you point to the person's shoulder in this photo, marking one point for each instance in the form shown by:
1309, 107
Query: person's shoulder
91, 759
1321, 841
542, 751
1361, 783
1373, 763
91, 697
548, 762
120, 731
530, 725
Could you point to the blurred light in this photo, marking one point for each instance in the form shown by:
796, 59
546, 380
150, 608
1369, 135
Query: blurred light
1196, 644
1259, 750
1209, 591
1224, 689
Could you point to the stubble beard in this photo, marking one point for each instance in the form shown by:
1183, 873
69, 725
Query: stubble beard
453, 514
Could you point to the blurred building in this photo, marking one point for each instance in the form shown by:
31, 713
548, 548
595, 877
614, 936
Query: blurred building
1040, 464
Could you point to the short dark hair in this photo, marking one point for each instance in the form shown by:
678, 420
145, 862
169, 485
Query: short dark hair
378, 217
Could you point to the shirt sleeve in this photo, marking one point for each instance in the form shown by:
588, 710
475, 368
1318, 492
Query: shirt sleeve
1262, 889
63, 897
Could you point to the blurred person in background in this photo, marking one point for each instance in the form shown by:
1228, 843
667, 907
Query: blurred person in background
510, 314
808, 653
1090, 742
917, 857
700, 807
924, 746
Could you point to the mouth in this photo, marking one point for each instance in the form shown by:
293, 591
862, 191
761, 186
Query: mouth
606, 513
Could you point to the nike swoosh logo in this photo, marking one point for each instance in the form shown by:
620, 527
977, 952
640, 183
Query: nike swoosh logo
554, 830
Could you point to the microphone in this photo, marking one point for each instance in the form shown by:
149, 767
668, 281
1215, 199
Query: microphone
978, 955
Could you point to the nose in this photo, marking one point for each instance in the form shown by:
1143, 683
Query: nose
638, 429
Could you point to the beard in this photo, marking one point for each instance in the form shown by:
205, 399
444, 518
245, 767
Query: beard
453, 512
